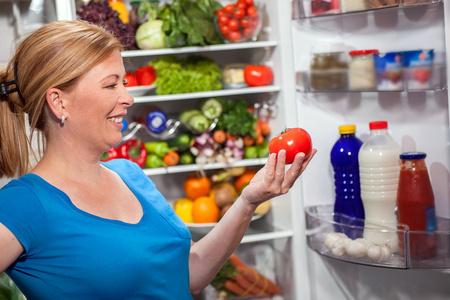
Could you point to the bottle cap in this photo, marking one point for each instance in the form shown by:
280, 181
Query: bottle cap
363, 52
413, 155
156, 121
378, 125
347, 129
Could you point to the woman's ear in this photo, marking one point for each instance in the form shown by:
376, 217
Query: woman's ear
55, 102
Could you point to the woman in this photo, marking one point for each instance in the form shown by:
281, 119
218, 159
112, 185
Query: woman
75, 228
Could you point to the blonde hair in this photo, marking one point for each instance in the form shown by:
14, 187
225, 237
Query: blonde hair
55, 55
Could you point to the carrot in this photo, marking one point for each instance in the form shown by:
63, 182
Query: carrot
219, 136
235, 260
250, 286
264, 126
171, 158
262, 282
233, 287
248, 140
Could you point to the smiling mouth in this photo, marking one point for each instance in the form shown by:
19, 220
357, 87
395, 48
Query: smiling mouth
116, 119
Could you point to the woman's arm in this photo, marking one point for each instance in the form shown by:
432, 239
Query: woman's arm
209, 254
10, 248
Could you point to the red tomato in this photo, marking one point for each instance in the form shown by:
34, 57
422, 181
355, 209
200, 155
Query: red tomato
234, 36
224, 29
130, 79
220, 12
245, 22
252, 11
233, 24
145, 75
229, 8
241, 4
248, 2
293, 140
248, 32
258, 75
223, 19
239, 13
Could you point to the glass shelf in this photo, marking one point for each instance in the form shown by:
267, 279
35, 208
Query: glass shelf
151, 97
211, 166
307, 83
332, 239
212, 48
306, 9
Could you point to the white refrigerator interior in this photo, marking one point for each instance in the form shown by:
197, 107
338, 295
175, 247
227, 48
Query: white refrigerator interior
418, 121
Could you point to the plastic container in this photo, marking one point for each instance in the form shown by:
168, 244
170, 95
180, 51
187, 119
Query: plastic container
320, 7
344, 159
354, 5
418, 69
415, 205
329, 67
389, 71
362, 70
379, 170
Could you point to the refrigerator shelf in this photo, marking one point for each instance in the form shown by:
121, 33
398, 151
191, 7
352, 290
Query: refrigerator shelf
303, 9
212, 48
210, 94
326, 237
213, 166
258, 231
306, 83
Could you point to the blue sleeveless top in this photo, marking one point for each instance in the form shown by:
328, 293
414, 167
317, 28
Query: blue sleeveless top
71, 254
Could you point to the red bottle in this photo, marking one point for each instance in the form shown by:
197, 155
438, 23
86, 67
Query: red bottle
415, 206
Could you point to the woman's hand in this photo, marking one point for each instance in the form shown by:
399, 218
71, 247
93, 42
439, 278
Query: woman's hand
273, 179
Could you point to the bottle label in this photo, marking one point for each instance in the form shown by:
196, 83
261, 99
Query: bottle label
431, 218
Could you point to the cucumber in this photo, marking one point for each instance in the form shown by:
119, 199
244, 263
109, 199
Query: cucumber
189, 113
181, 142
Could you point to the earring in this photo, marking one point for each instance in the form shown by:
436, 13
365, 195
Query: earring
63, 119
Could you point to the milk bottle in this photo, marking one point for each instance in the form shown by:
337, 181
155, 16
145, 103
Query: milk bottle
379, 170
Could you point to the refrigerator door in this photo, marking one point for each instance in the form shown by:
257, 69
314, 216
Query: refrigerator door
418, 121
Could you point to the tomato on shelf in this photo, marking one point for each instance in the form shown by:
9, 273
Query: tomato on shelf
243, 21
293, 140
145, 75
130, 79
258, 75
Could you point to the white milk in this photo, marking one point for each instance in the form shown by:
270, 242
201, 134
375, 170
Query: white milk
379, 173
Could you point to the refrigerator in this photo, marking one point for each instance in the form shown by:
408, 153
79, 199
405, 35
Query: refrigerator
286, 244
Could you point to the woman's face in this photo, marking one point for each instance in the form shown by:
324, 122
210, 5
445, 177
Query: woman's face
98, 104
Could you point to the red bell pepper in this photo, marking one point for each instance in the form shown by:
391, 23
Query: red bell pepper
134, 150
111, 154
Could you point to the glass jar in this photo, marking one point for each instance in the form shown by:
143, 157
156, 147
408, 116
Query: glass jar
362, 70
233, 76
354, 5
415, 206
328, 67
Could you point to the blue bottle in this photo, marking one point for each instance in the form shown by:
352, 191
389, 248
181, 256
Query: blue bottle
348, 206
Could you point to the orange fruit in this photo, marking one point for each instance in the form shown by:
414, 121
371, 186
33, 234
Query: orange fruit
243, 180
205, 210
197, 186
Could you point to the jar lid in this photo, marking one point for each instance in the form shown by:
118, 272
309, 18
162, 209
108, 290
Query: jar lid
413, 155
347, 129
328, 48
378, 125
363, 52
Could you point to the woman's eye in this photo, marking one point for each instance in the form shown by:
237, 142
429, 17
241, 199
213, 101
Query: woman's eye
125, 82
111, 86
